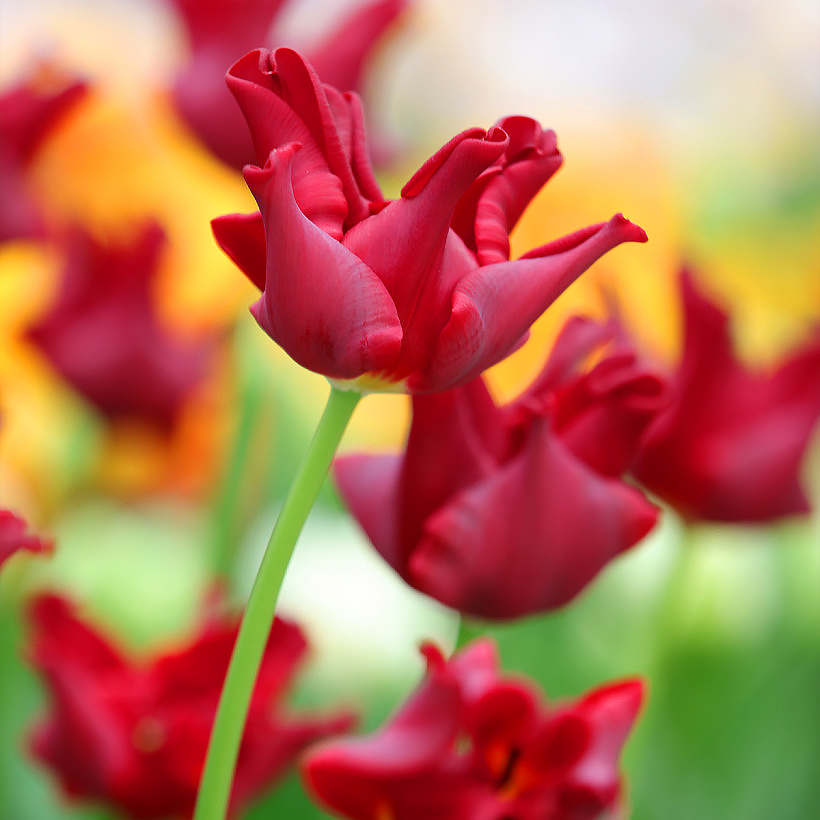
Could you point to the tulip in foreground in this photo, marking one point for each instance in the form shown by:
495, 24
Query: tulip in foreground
221, 31
133, 735
731, 444
471, 744
505, 511
416, 294
104, 336
29, 112
13, 537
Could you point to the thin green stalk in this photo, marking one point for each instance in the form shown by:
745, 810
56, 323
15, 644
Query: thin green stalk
223, 749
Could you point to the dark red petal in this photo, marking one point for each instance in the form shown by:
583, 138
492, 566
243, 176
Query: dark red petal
368, 485
405, 242
326, 308
242, 237
530, 537
494, 305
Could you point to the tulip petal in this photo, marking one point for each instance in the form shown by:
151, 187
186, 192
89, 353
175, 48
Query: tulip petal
339, 57
242, 238
610, 712
321, 303
495, 304
368, 485
531, 536
489, 211
406, 241
361, 777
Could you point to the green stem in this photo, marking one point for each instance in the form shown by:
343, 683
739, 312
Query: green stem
223, 749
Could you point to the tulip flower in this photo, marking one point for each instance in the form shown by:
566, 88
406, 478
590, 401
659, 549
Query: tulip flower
13, 537
221, 31
505, 511
729, 447
133, 735
103, 334
29, 112
416, 294
471, 744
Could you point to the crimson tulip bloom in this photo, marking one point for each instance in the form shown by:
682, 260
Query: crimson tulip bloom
505, 511
29, 112
471, 744
104, 337
414, 294
134, 735
221, 31
13, 537
730, 445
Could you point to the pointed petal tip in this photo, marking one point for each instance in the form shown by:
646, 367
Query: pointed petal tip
631, 231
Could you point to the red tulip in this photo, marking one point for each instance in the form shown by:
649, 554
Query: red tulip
133, 734
29, 112
505, 511
104, 336
414, 294
730, 445
221, 31
13, 537
470, 744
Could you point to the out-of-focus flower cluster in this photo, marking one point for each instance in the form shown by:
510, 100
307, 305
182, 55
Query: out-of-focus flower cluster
128, 376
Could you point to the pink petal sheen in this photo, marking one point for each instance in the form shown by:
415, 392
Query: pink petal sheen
13, 537
242, 238
530, 537
321, 303
495, 304
339, 58
730, 446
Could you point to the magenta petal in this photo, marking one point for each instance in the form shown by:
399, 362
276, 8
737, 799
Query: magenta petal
242, 237
368, 486
530, 537
495, 304
321, 303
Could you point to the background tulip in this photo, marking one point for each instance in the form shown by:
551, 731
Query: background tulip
730, 446
470, 743
505, 511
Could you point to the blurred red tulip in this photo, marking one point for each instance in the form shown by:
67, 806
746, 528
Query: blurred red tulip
221, 31
505, 511
104, 336
471, 744
29, 112
730, 445
134, 735
13, 537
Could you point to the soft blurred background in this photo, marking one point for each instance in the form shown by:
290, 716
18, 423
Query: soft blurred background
698, 120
